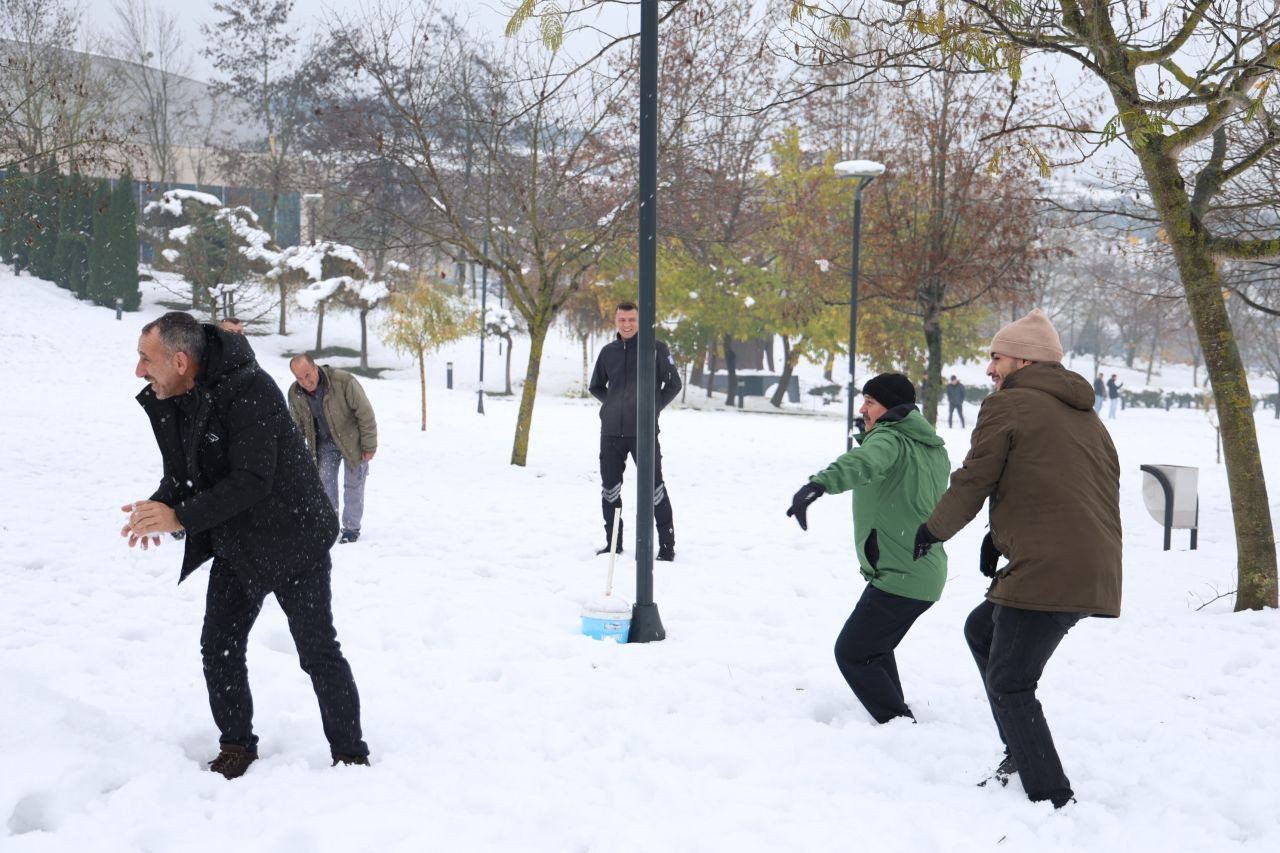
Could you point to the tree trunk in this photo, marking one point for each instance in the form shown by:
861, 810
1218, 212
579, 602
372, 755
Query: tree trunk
933, 370
1151, 355
695, 365
509, 348
731, 368
320, 327
586, 364
829, 367
364, 339
768, 354
1202, 283
284, 306
524, 419
711, 377
785, 379
422, 379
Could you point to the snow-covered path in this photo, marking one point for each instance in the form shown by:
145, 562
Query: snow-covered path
496, 726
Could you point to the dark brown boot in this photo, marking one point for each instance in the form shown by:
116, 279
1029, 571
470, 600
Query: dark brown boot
350, 760
233, 760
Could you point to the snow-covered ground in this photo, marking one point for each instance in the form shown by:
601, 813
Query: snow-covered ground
496, 726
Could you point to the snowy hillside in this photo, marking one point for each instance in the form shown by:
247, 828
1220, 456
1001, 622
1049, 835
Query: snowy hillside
496, 726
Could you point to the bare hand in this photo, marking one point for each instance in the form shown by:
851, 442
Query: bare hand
147, 520
367, 455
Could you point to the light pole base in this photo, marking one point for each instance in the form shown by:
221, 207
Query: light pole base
646, 624
480, 402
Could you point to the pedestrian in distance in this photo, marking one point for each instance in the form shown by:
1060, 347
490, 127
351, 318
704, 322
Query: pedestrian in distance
239, 488
614, 382
1099, 394
1113, 391
232, 324
1045, 461
336, 418
955, 401
896, 473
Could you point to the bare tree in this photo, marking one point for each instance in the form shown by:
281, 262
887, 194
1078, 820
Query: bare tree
1188, 79
147, 38
547, 176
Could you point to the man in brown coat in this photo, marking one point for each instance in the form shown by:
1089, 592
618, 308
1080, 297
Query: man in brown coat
336, 419
1041, 455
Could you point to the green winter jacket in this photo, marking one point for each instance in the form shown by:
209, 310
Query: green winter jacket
897, 475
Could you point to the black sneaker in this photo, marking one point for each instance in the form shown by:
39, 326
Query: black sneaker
605, 549
1002, 773
348, 536
667, 554
350, 760
233, 760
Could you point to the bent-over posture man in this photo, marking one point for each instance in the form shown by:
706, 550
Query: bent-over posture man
614, 383
1042, 456
239, 482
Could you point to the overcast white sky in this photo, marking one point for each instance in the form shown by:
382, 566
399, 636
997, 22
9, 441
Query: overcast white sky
485, 16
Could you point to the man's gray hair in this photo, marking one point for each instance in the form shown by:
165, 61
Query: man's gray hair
179, 332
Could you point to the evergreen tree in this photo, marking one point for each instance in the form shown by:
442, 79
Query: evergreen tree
45, 222
123, 248
23, 211
99, 289
64, 249
8, 195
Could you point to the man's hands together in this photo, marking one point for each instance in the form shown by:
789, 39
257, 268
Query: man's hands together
147, 520
808, 493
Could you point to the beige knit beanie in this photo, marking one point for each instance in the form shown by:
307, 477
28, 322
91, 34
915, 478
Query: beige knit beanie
1032, 338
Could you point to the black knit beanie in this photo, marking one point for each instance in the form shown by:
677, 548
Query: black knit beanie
890, 389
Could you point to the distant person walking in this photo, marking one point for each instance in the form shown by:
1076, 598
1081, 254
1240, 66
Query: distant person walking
1046, 463
337, 421
614, 383
1113, 391
233, 325
955, 401
896, 473
1099, 394
237, 482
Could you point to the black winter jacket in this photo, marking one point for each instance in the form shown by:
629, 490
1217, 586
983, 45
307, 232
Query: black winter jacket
614, 383
246, 489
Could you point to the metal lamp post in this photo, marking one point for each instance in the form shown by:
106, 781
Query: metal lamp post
863, 172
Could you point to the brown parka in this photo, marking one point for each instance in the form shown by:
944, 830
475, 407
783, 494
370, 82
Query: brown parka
1044, 458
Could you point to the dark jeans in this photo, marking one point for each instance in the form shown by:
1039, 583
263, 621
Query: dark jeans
614, 450
230, 612
953, 410
1011, 647
864, 650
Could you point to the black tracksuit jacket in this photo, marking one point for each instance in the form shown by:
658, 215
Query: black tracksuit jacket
614, 382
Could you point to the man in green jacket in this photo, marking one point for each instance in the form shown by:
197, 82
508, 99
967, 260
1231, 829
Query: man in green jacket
336, 419
897, 473
1045, 461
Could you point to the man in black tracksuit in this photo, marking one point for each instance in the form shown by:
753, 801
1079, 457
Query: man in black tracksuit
241, 485
613, 383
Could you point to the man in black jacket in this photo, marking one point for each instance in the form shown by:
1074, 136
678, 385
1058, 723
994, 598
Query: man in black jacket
613, 383
240, 485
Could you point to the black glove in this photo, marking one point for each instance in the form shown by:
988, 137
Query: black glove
924, 541
808, 493
989, 558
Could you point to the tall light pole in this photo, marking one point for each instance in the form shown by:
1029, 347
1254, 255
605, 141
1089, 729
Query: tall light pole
484, 315
863, 172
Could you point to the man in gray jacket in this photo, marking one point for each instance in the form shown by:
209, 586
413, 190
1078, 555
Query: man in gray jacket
336, 418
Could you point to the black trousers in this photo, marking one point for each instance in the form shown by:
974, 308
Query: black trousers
1011, 647
953, 410
230, 612
864, 650
614, 450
